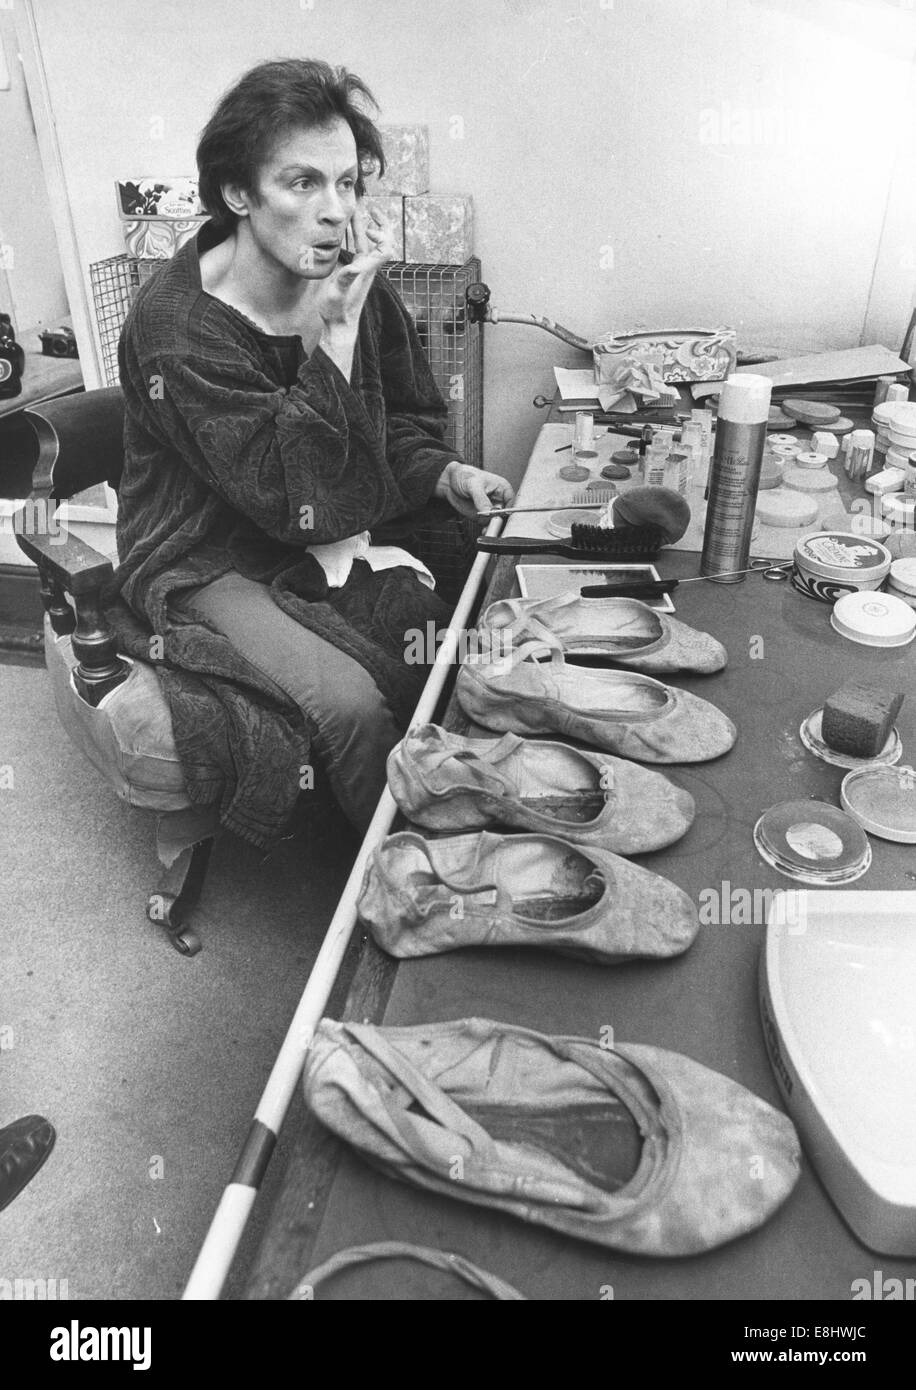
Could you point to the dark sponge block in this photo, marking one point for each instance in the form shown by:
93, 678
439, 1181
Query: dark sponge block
858, 718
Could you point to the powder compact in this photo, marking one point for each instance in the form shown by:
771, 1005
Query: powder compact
883, 801
813, 842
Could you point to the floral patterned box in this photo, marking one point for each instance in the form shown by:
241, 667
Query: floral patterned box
439, 228
159, 215
686, 354
406, 159
391, 205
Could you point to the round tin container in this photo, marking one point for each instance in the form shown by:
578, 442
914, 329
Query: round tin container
874, 620
811, 735
899, 508
901, 582
881, 418
900, 415
902, 544
813, 842
875, 528
909, 599
883, 801
829, 564
903, 576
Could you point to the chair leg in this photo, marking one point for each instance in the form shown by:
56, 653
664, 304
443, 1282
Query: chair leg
177, 893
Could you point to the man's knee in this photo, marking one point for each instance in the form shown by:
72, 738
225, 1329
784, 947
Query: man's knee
357, 714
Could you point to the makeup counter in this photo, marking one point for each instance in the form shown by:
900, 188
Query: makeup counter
784, 658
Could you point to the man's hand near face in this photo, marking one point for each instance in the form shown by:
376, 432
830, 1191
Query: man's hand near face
341, 297
340, 300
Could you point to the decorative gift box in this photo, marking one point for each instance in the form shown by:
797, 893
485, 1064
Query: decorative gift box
391, 205
159, 215
689, 354
406, 159
439, 228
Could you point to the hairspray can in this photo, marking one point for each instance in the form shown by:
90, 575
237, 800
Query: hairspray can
744, 406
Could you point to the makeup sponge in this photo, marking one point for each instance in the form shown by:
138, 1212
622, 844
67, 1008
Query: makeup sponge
655, 506
858, 718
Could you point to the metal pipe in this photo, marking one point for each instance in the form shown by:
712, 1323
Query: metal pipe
538, 321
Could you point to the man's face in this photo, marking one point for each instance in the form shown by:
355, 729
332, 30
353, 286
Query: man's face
306, 196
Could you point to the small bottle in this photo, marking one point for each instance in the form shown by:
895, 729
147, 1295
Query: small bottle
703, 418
692, 445
858, 461
12, 360
584, 453
656, 458
676, 472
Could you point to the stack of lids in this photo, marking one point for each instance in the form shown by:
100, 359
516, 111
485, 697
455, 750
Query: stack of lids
881, 419
895, 424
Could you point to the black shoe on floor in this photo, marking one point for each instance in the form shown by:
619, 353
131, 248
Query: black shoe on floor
24, 1146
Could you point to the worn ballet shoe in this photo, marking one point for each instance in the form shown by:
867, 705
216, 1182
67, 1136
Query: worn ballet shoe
509, 1118
622, 712
623, 630
424, 897
443, 781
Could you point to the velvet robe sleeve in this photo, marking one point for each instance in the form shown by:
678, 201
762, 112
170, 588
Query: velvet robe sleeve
416, 413
308, 464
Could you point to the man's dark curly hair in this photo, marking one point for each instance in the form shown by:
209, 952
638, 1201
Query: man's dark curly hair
268, 101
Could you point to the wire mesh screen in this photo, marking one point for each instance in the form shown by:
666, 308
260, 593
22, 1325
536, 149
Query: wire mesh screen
113, 283
433, 294
435, 297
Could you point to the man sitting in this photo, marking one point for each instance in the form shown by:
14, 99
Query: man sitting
280, 416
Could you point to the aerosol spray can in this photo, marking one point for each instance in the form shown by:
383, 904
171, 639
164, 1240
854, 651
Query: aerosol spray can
744, 406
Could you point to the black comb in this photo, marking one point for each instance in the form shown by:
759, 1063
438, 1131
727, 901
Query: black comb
587, 542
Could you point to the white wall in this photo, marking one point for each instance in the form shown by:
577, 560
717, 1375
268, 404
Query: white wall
655, 162
31, 285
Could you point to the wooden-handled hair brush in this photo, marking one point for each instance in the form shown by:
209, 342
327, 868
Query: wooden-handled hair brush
646, 518
586, 543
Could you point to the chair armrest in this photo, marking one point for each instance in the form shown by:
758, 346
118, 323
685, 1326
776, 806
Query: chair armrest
66, 563
78, 567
